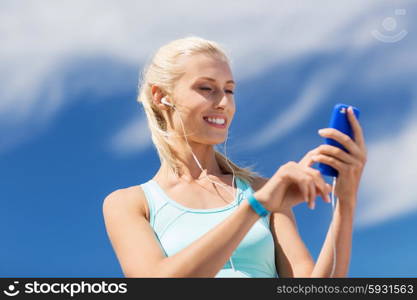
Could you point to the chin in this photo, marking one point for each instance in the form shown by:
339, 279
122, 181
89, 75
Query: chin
212, 141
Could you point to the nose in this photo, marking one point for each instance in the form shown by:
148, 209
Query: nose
223, 100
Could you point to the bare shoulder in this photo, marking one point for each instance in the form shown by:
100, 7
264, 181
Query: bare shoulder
130, 233
126, 200
259, 182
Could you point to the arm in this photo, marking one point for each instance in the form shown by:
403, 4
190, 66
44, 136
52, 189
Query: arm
292, 258
140, 255
350, 167
342, 225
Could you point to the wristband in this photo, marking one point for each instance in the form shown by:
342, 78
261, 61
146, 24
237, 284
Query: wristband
257, 206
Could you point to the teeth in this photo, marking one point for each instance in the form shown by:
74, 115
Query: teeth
217, 121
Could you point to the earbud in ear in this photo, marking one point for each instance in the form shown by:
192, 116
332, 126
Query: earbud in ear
164, 101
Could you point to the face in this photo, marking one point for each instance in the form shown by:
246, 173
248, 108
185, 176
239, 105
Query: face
204, 96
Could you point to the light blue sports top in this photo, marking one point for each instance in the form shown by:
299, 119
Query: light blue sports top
177, 226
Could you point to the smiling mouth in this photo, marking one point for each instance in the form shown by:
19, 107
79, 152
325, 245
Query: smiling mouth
214, 124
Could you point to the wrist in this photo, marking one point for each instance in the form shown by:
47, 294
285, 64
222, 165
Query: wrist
261, 197
250, 213
257, 205
347, 202
345, 209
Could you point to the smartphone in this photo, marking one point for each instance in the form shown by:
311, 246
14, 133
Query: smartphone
339, 120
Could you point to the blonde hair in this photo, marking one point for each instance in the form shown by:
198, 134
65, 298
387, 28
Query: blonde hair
163, 71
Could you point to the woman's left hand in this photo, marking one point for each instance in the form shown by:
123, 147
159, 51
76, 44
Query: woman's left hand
349, 165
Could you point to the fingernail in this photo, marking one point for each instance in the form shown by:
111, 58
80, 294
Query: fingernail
313, 205
321, 131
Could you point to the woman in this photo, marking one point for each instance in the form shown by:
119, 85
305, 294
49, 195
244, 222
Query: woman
203, 216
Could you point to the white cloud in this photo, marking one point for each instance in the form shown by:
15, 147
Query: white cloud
315, 91
133, 138
388, 188
38, 40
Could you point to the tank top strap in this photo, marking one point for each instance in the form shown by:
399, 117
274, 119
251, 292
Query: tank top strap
154, 200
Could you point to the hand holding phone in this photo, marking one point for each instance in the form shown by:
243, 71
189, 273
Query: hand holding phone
339, 120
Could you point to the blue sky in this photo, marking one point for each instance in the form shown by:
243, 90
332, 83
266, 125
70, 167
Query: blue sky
72, 130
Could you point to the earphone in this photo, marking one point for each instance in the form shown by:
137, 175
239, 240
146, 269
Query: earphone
332, 225
164, 101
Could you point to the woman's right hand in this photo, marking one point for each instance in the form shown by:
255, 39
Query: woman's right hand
292, 184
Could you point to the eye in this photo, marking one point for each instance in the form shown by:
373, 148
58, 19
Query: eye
203, 88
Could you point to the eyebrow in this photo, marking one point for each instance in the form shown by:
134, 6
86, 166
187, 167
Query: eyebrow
212, 79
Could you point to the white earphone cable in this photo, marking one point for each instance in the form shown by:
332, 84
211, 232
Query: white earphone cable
234, 192
332, 227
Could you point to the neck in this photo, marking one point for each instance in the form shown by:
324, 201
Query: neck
189, 170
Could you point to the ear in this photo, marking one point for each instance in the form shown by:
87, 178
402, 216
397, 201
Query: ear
157, 95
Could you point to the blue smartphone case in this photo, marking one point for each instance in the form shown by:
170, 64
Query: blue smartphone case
339, 120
